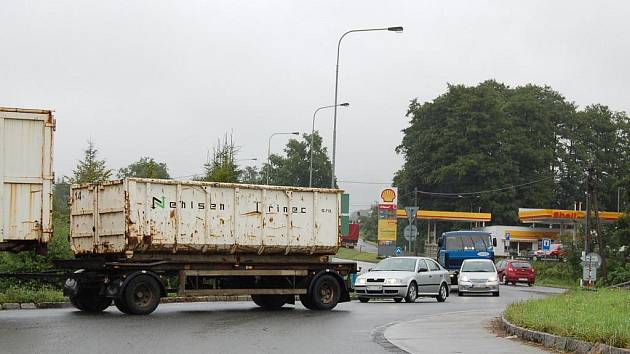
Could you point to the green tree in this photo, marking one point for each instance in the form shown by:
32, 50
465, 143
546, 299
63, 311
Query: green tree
146, 167
482, 138
293, 168
369, 224
90, 169
251, 175
222, 167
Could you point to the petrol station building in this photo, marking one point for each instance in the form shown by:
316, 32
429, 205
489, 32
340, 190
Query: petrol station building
553, 224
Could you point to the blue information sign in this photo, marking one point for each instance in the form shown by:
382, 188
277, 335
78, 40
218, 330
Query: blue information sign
398, 251
546, 244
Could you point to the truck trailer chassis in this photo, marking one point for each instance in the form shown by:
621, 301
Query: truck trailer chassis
136, 285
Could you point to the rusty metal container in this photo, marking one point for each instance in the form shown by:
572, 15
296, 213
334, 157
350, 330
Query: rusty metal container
26, 177
138, 215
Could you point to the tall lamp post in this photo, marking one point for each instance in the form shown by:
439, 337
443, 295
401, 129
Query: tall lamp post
392, 29
310, 173
269, 150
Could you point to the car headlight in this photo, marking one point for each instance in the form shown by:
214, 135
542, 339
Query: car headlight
494, 278
393, 281
360, 281
463, 278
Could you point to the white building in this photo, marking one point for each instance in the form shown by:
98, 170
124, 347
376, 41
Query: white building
519, 240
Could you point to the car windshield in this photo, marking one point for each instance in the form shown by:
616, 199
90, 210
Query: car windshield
477, 267
520, 265
468, 242
401, 264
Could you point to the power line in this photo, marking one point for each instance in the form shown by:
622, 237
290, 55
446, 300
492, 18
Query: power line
461, 194
363, 182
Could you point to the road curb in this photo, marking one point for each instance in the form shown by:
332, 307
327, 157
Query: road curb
165, 300
559, 342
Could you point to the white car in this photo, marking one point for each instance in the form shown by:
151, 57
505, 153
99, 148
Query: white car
478, 276
403, 278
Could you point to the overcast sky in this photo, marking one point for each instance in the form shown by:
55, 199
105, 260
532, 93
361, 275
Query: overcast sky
166, 79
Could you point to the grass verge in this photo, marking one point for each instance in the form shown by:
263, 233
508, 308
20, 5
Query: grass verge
21, 294
355, 255
595, 316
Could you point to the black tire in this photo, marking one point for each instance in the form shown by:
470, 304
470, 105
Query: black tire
307, 302
460, 293
272, 302
89, 300
496, 293
412, 293
529, 284
141, 295
326, 292
121, 306
398, 299
504, 280
443, 293
364, 299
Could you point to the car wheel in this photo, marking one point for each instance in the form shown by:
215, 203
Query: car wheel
504, 280
496, 293
460, 293
398, 299
443, 294
412, 293
529, 284
364, 299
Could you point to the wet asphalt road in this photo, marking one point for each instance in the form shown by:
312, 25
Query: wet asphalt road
229, 327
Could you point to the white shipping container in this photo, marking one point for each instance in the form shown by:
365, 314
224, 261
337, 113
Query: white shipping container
138, 215
26, 177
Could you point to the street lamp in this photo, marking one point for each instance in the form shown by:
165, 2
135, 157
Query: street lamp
398, 29
310, 175
252, 159
269, 150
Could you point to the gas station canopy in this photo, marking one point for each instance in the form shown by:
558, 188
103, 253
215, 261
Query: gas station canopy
556, 216
447, 215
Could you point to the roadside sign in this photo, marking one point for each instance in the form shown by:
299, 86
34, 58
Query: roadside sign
410, 232
398, 251
507, 236
594, 259
589, 274
546, 244
411, 213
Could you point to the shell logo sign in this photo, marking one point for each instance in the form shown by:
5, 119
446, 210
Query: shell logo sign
388, 195
387, 221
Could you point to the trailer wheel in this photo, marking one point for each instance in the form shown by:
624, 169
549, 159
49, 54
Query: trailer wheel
272, 302
121, 306
307, 302
89, 300
326, 292
141, 296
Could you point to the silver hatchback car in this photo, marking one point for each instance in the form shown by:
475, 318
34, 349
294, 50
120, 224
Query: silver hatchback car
478, 276
403, 278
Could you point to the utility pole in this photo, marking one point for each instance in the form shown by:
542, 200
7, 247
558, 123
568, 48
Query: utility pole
415, 203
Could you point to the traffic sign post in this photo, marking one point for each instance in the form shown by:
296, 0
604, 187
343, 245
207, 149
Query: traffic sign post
398, 251
590, 263
546, 244
411, 231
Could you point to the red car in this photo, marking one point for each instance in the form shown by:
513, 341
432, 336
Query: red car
516, 271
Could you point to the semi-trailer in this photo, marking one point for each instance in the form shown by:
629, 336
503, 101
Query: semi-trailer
132, 237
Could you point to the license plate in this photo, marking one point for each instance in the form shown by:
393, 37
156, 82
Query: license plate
522, 279
374, 287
